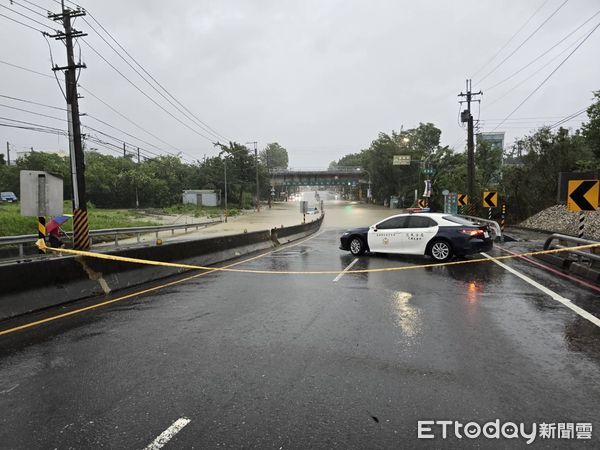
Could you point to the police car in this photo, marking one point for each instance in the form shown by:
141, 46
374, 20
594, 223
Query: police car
438, 235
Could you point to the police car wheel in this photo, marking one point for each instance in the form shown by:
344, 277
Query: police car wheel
357, 246
441, 251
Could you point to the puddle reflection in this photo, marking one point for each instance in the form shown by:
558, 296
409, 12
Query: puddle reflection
408, 316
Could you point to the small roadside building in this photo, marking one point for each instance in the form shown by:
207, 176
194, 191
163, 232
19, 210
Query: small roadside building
202, 197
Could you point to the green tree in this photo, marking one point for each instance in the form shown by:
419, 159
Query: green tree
591, 130
488, 165
240, 171
350, 160
274, 156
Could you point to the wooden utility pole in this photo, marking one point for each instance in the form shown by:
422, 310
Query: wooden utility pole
81, 238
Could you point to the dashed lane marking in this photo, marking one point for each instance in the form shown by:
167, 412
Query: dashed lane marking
559, 298
348, 267
168, 434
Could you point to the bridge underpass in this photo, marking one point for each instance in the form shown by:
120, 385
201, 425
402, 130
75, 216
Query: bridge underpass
352, 182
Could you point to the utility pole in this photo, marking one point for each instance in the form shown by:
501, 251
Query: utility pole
271, 188
138, 153
124, 151
225, 169
7, 153
81, 238
466, 116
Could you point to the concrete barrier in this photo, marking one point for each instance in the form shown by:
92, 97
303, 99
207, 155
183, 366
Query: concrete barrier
295, 232
35, 285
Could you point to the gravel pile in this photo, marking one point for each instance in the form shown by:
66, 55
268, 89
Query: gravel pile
559, 220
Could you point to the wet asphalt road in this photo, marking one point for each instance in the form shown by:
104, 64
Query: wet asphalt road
285, 361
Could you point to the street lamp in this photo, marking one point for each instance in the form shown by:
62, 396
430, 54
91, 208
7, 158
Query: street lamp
257, 203
224, 153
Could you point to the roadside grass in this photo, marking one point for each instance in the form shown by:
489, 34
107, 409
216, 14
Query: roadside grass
199, 211
13, 224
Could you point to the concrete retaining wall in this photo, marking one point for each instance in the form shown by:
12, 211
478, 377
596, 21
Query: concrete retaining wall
31, 286
569, 264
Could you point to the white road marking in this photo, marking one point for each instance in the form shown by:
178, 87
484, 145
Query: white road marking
348, 267
168, 434
6, 391
559, 298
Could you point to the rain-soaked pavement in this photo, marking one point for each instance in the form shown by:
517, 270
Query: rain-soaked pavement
296, 361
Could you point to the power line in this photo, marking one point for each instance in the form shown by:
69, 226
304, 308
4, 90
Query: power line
26, 69
97, 98
27, 17
32, 112
523, 81
126, 118
13, 2
182, 112
125, 142
21, 23
145, 94
548, 77
525, 41
546, 52
128, 134
207, 128
32, 102
48, 130
112, 147
569, 118
154, 79
511, 38
31, 123
36, 5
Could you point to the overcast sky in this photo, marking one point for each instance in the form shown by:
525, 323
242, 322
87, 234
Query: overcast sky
320, 77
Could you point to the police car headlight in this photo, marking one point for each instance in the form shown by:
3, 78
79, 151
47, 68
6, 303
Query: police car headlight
346, 233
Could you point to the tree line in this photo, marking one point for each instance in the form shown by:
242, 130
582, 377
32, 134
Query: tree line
112, 181
525, 173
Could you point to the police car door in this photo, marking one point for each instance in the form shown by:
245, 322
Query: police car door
419, 231
388, 236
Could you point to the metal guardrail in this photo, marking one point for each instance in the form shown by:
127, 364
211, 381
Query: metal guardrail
137, 231
586, 255
494, 226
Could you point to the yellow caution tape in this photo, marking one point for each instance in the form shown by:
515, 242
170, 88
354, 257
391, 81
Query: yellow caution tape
42, 246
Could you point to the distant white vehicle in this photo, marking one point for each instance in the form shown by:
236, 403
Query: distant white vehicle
8, 197
312, 211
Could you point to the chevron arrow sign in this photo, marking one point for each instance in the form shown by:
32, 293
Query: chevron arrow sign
583, 195
490, 199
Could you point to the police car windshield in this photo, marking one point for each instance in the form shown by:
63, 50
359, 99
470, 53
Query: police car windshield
459, 220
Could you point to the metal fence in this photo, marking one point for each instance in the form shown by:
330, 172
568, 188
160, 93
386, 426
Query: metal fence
23, 240
589, 256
